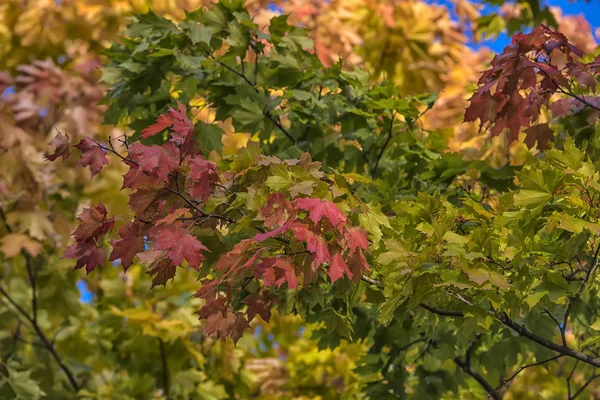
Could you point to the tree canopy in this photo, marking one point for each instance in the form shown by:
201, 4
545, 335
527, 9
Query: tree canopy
346, 202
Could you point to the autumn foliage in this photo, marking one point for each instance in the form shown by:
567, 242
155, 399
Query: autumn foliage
346, 202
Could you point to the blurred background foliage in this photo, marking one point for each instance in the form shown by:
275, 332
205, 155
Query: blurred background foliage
124, 341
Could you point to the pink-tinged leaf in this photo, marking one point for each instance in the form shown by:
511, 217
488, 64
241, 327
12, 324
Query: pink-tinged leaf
61, 147
260, 304
130, 243
173, 216
87, 254
182, 127
356, 238
338, 267
264, 236
203, 175
316, 244
277, 211
234, 259
93, 223
179, 244
92, 155
163, 122
157, 161
319, 209
358, 264
280, 272
178, 119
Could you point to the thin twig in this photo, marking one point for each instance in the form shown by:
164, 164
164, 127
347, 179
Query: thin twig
165, 368
524, 367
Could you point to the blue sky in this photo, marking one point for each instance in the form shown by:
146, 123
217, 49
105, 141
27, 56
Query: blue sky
591, 11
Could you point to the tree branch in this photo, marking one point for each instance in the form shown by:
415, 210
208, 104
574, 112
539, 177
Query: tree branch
387, 141
465, 366
45, 342
165, 368
585, 385
267, 113
521, 369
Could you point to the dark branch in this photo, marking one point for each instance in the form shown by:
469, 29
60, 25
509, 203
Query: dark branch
165, 368
480, 379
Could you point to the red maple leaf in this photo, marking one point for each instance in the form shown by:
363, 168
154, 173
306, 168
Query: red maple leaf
279, 271
203, 175
182, 126
338, 267
358, 264
264, 236
260, 304
157, 161
316, 244
356, 237
91, 154
93, 223
221, 321
161, 272
173, 216
319, 209
235, 258
130, 243
61, 146
178, 243
87, 253
277, 210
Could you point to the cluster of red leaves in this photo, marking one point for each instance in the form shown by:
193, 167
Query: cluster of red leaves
306, 234
159, 235
94, 223
523, 79
169, 183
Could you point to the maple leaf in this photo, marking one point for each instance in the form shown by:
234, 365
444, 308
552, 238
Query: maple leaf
276, 211
161, 272
319, 209
91, 154
316, 244
130, 243
356, 237
209, 289
178, 119
179, 244
221, 321
60, 143
279, 271
158, 161
173, 216
149, 190
264, 236
235, 258
203, 174
338, 267
358, 264
93, 223
542, 133
87, 253
260, 304
163, 122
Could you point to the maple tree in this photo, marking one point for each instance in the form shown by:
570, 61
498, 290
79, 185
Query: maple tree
314, 204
